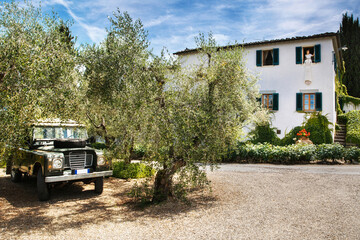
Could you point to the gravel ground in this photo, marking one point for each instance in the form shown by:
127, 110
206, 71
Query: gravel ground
246, 202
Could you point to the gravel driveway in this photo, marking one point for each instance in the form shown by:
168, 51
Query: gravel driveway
247, 202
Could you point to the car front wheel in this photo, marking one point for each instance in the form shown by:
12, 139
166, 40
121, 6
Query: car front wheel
15, 175
42, 187
99, 185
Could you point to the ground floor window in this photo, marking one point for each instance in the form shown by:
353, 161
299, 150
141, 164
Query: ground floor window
267, 101
309, 101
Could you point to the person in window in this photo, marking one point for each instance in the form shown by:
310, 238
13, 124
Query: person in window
308, 56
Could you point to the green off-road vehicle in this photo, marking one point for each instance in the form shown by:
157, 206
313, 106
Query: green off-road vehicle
58, 153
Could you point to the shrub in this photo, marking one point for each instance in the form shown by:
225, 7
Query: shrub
138, 152
352, 154
267, 153
263, 134
132, 170
318, 126
329, 151
289, 137
295, 153
98, 145
353, 127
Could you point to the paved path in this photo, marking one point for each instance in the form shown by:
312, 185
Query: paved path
248, 201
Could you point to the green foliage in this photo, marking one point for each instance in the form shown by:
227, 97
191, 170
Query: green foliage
264, 133
288, 139
353, 127
142, 193
318, 126
329, 151
138, 152
349, 36
293, 154
37, 70
350, 99
267, 153
352, 154
132, 170
119, 80
342, 119
98, 145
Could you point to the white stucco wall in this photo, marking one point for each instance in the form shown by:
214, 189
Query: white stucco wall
288, 78
350, 107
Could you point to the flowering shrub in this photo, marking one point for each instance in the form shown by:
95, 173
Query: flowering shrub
303, 133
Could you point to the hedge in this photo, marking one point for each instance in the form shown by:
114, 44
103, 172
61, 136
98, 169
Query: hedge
353, 127
132, 170
292, 154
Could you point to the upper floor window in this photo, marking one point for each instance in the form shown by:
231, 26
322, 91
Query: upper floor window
309, 52
267, 57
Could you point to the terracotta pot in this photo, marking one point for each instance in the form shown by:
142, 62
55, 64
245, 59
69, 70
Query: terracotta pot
304, 140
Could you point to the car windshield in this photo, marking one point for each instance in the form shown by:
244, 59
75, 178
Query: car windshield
60, 132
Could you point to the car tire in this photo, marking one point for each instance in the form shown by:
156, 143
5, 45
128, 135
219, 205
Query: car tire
15, 175
99, 185
42, 187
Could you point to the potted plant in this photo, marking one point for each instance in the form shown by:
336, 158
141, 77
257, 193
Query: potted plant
303, 137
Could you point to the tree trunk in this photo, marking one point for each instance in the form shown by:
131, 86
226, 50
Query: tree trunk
164, 181
163, 185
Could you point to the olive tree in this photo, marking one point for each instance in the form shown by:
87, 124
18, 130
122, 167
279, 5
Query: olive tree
117, 77
181, 116
37, 77
199, 115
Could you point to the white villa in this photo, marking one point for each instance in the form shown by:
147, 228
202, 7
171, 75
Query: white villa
297, 76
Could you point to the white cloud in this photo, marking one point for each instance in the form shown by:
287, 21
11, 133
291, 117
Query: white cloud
221, 39
157, 21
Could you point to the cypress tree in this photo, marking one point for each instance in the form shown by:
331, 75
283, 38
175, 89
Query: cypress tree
350, 36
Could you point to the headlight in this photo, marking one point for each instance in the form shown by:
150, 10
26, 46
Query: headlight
100, 160
56, 161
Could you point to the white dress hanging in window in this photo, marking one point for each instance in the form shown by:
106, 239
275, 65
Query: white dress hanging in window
308, 77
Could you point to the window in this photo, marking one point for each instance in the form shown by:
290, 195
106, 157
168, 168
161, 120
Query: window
309, 50
301, 53
267, 101
270, 101
267, 57
309, 102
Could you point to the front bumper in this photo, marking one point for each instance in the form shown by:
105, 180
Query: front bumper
65, 178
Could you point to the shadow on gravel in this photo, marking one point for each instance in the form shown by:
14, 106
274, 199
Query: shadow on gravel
73, 206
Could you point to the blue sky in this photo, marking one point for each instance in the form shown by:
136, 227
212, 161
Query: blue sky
174, 23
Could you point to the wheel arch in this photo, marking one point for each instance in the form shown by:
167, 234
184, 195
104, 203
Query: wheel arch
36, 168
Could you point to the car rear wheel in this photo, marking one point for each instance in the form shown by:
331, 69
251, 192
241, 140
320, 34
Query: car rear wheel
42, 187
99, 185
15, 175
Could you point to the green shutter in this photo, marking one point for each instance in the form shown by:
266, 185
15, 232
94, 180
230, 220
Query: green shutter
317, 53
298, 55
258, 58
318, 101
258, 100
275, 101
276, 56
299, 102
